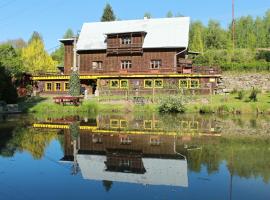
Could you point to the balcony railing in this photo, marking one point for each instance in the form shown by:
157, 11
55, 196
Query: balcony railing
123, 49
205, 70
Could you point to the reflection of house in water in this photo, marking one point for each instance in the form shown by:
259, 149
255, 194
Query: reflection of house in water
130, 158
133, 150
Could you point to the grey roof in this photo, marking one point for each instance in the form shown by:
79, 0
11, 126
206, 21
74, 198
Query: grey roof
171, 172
160, 33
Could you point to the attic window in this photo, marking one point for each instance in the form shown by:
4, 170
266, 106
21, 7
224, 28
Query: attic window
126, 40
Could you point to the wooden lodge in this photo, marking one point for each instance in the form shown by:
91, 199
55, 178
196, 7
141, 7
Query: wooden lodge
132, 57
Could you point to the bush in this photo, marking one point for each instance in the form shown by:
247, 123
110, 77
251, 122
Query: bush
206, 110
240, 94
171, 104
223, 109
8, 92
253, 95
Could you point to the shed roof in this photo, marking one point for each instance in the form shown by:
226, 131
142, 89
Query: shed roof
160, 33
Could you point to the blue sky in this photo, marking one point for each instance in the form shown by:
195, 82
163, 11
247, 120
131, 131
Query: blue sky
19, 18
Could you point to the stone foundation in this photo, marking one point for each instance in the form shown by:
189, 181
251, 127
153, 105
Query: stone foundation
244, 81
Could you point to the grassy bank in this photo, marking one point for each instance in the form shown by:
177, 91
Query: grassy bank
232, 104
221, 104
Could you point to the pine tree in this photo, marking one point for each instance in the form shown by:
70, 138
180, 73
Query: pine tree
108, 14
35, 36
169, 14
148, 15
74, 84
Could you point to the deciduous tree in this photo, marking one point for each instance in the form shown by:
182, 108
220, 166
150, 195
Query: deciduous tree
35, 58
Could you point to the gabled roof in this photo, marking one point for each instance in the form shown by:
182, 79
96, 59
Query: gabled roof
170, 172
160, 33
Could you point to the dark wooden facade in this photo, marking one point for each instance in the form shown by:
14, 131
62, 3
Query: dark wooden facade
126, 68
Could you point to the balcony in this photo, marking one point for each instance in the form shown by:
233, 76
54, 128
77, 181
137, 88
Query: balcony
125, 49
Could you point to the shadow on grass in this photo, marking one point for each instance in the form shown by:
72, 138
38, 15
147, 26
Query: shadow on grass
27, 103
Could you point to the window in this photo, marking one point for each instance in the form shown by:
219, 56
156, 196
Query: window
124, 139
114, 123
183, 83
147, 124
126, 64
48, 87
194, 83
155, 140
114, 83
148, 83
97, 64
155, 64
194, 125
126, 40
57, 86
123, 83
158, 83
123, 124
66, 86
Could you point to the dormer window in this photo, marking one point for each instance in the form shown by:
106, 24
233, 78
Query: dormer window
126, 40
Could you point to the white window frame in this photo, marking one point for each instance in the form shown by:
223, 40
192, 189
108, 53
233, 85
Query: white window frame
155, 64
126, 40
97, 65
126, 64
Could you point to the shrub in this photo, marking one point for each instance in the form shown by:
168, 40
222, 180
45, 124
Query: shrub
253, 95
206, 110
223, 109
240, 94
171, 104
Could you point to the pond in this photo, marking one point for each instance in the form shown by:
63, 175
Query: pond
137, 156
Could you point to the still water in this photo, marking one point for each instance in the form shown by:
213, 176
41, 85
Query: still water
191, 157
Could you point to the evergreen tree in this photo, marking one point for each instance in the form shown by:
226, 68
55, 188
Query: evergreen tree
108, 14
74, 84
35, 36
148, 15
169, 14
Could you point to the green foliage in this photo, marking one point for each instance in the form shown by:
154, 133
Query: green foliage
35, 58
169, 14
8, 92
252, 36
253, 95
147, 15
240, 94
238, 60
74, 130
35, 36
108, 14
171, 104
58, 54
10, 59
74, 84
215, 37
196, 37
206, 110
